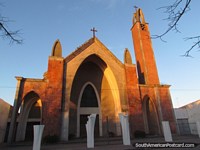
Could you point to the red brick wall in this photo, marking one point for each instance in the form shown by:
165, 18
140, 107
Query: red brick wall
38, 87
144, 54
135, 107
148, 80
167, 107
52, 103
50, 93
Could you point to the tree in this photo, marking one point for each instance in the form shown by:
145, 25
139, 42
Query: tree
175, 12
13, 36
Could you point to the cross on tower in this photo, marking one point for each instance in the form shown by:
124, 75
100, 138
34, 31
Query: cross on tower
136, 8
93, 30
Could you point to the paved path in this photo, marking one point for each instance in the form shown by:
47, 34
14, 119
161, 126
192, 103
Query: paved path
108, 144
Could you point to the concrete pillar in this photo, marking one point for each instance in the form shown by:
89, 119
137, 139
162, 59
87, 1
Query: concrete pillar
125, 129
167, 131
90, 130
65, 126
38, 130
14, 113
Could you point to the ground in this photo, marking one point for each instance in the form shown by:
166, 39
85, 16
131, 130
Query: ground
108, 144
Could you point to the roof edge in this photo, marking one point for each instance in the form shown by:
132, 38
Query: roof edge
81, 48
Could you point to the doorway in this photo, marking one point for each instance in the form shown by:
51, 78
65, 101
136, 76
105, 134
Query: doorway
89, 103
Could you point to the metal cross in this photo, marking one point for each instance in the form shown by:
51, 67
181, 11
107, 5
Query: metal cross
136, 8
93, 30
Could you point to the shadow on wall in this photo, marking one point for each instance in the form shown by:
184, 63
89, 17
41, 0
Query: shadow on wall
141, 77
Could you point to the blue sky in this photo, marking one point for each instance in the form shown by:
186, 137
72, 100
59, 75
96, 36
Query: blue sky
43, 21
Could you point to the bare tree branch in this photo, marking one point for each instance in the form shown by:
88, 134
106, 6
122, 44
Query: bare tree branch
10, 34
13, 36
175, 12
196, 44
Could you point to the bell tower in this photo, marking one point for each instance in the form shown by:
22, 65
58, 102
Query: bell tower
146, 64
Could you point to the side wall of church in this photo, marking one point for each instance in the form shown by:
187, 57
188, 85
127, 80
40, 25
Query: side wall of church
151, 109
134, 100
52, 112
49, 91
37, 86
167, 107
159, 95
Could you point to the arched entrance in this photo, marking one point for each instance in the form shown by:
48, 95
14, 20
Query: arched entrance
95, 75
88, 103
30, 113
150, 117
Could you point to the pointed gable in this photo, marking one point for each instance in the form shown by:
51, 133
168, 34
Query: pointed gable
79, 49
89, 43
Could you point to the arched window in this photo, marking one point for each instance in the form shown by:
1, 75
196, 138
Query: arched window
89, 98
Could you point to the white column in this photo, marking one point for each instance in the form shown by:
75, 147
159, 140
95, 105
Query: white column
38, 130
90, 130
125, 129
167, 131
198, 128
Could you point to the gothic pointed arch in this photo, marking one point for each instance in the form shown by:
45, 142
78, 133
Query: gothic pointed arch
95, 70
150, 114
89, 94
89, 102
57, 49
127, 57
30, 109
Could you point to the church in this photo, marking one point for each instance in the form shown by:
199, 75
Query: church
93, 80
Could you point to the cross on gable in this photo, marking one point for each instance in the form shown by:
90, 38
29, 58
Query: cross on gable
93, 30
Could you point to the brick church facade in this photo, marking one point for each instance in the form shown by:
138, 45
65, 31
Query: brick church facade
92, 80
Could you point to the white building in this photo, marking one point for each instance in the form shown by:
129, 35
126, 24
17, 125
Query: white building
4, 114
187, 116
